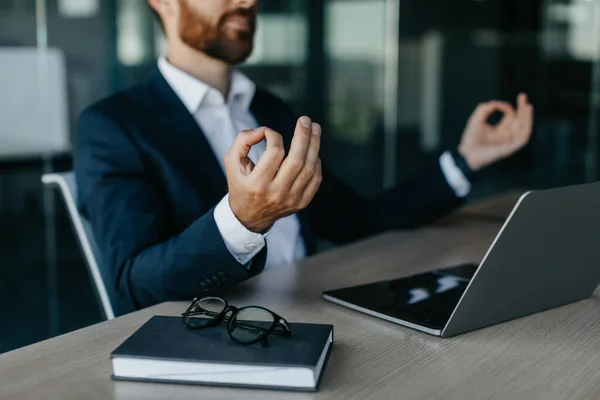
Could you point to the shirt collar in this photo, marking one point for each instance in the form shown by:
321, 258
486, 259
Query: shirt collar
242, 90
193, 91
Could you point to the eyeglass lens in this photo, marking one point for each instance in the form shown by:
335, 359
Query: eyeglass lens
204, 312
251, 324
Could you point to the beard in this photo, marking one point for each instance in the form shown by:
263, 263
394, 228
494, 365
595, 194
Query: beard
220, 42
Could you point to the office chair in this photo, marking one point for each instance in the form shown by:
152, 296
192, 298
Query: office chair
66, 184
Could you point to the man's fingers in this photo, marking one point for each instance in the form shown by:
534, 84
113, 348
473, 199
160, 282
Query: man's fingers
503, 106
523, 123
313, 186
245, 140
519, 132
525, 112
504, 130
530, 117
485, 110
310, 164
312, 156
295, 160
271, 159
525, 126
521, 114
509, 114
481, 113
521, 100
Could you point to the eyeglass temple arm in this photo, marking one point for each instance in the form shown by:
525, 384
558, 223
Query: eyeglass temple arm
282, 327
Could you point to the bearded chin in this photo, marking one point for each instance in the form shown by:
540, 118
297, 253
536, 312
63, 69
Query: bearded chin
232, 53
216, 41
231, 50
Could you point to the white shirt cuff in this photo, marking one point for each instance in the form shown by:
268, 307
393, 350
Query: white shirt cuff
241, 243
454, 176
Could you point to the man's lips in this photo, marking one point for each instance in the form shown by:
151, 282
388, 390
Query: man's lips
243, 24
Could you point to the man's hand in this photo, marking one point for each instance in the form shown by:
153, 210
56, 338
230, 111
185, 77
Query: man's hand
276, 187
483, 144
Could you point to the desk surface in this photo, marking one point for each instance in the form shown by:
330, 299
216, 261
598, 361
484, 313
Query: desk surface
554, 354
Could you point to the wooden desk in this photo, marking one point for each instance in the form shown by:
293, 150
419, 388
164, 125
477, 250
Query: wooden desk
495, 210
551, 355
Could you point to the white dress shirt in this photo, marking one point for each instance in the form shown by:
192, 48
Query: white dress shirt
220, 121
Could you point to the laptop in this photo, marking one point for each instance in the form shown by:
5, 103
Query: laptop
547, 254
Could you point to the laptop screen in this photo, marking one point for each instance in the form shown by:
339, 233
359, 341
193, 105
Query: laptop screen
427, 299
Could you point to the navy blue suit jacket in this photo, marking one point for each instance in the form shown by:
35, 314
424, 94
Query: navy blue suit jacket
148, 182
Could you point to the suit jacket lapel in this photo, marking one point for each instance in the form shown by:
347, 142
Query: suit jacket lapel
179, 137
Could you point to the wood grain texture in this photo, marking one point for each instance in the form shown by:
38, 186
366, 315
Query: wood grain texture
550, 355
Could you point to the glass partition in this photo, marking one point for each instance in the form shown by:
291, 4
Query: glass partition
355, 40
468, 52
571, 50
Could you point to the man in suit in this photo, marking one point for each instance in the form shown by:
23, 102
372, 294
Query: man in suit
195, 180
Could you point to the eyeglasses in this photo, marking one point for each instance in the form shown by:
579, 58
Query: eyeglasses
246, 325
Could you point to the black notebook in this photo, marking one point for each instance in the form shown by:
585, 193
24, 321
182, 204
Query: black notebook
163, 350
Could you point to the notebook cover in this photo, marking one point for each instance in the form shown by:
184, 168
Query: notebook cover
166, 338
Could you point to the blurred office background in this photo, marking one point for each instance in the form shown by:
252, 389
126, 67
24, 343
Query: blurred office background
392, 81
